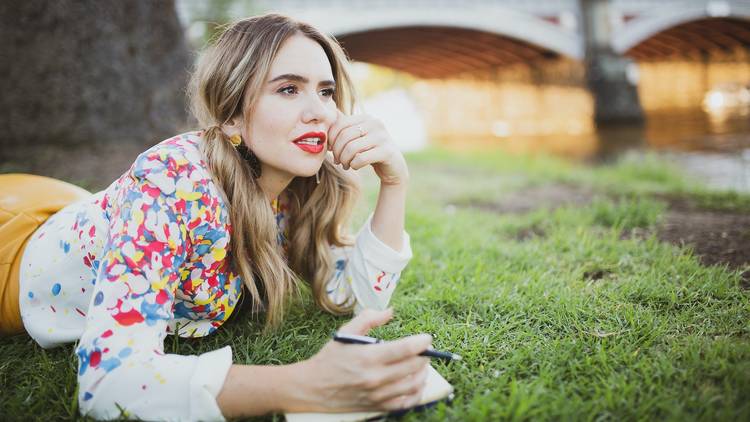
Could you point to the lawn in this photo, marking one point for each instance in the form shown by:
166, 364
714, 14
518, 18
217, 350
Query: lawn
548, 277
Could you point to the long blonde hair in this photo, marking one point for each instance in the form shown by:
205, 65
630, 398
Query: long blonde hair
226, 84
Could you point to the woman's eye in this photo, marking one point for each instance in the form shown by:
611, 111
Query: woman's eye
291, 90
286, 89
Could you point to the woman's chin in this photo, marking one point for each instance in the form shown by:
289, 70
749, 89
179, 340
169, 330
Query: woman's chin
307, 169
307, 172
311, 172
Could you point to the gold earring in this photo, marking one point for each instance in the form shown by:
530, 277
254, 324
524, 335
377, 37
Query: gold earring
236, 140
317, 177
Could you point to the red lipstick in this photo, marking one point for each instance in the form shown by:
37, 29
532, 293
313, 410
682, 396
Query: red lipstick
308, 146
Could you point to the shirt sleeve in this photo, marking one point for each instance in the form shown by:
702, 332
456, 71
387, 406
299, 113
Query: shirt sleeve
368, 271
122, 368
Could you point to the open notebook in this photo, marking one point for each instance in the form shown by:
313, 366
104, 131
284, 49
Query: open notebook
437, 389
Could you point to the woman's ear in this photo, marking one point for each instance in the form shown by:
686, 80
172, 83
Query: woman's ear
233, 126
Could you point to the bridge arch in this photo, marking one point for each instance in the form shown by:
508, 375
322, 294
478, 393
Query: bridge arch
663, 18
499, 21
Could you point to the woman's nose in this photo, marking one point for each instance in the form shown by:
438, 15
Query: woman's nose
320, 110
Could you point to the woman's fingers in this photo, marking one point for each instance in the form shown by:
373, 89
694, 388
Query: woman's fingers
347, 136
366, 321
352, 149
386, 375
411, 398
412, 385
369, 156
397, 350
396, 371
343, 122
402, 402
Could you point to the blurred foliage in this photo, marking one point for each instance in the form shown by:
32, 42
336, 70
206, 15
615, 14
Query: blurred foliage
204, 18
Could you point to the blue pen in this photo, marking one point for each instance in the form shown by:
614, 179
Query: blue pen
357, 339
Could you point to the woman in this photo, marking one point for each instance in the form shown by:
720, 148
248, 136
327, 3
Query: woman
249, 205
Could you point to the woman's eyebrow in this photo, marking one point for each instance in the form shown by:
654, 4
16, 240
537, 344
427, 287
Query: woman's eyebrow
301, 79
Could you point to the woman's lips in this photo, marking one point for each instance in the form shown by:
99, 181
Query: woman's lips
311, 148
314, 149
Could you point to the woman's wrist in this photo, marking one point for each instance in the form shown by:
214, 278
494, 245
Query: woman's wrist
393, 170
387, 223
252, 390
400, 185
300, 395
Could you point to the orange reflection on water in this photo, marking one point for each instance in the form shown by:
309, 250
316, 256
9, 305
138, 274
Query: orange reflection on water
519, 117
673, 84
547, 109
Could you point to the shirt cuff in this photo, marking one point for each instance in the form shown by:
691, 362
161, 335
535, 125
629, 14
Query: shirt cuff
206, 383
381, 255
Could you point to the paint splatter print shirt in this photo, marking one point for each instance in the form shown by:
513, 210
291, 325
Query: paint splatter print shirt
147, 257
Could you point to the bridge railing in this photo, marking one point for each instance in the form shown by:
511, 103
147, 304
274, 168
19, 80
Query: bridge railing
537, 7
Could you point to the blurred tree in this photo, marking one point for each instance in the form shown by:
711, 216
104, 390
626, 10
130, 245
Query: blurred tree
94, 71
205, 18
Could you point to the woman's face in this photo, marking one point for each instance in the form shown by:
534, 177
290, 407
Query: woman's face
297, 99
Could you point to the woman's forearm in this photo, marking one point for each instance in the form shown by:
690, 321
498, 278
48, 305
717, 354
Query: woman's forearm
251, 390
388, 218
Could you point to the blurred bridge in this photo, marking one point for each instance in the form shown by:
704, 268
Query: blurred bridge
440, 38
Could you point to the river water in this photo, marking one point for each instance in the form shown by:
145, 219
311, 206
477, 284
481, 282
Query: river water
710, 147
693, 121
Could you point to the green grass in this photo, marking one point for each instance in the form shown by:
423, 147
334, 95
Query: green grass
571, 321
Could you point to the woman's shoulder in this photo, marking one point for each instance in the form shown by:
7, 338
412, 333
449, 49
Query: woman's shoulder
175, 165
175, 171
173, 158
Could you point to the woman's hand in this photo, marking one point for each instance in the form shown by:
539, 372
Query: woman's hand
349, 377
355, 148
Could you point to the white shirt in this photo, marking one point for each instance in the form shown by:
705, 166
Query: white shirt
147, 257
